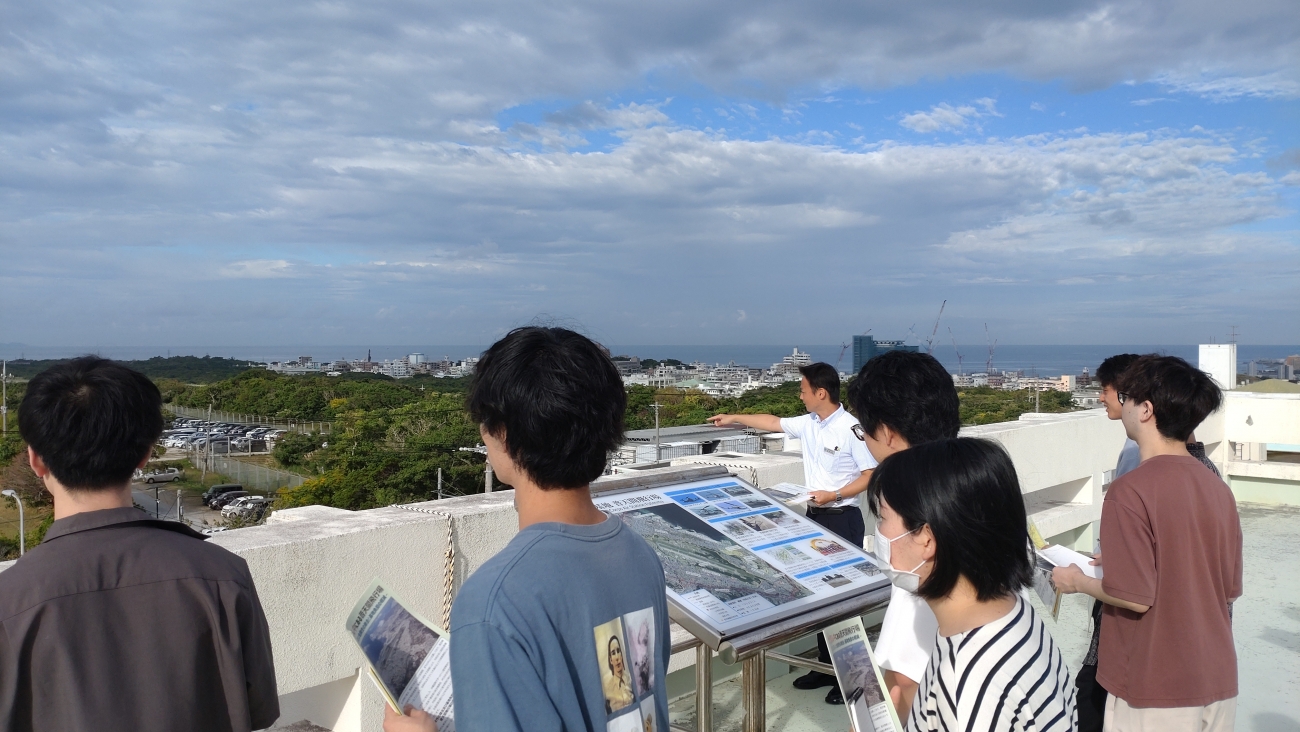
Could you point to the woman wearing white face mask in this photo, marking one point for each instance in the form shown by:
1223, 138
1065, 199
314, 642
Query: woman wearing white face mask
952, 529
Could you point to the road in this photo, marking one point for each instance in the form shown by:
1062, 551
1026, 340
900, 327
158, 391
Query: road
192, 508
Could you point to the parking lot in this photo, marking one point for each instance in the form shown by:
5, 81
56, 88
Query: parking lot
220, 438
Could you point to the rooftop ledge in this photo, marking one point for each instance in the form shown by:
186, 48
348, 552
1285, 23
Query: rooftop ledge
311, 563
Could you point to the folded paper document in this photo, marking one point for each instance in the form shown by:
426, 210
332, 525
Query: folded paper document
409, 658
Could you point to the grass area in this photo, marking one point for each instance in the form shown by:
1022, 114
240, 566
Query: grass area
33, 515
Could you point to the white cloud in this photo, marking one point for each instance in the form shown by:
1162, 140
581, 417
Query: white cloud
947, 117
258, 269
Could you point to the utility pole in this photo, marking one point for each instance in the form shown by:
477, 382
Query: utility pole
157, 505
22, 526
658, 447
439, 484
4, 401
178, 504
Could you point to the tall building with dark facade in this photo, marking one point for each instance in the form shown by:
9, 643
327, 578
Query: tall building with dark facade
865, 347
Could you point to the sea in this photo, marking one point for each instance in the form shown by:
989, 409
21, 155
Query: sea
1047, 361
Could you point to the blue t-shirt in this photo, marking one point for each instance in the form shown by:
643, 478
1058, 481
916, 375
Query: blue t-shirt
565, 629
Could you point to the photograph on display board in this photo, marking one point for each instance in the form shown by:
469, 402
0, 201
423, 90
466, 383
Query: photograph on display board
698, 557
757, 523
827, 547
781, 519
736, 527
867, 568
706, 511
738, 491
713, 494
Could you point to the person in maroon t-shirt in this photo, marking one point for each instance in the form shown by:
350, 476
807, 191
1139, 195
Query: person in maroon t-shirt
1171, 539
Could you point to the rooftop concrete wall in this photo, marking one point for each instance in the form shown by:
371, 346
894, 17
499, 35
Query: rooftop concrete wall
1250, 417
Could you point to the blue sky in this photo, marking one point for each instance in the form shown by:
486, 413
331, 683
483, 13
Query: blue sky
388, 172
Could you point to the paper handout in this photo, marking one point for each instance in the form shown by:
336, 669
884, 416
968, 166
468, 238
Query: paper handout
789, 493
865, 696
409, 658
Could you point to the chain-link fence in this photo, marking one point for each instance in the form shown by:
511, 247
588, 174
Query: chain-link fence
217, 415
255, 477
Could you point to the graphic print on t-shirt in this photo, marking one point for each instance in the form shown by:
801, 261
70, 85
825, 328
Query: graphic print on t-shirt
625, 653
648, 715
640, 629
611, 655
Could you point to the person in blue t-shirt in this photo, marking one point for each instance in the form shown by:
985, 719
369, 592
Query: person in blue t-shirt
567, 627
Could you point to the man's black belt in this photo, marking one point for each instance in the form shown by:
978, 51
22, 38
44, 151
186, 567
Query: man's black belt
814, 510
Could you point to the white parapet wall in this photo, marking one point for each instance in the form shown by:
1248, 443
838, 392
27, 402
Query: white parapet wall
1061, 461
1250, 423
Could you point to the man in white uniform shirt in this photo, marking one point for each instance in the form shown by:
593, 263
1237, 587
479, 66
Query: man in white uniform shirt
904, 399
836, 468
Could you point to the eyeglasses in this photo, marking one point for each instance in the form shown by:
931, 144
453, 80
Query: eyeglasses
859, 433
1122, 397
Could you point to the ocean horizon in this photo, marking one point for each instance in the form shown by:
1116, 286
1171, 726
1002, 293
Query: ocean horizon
1049, 360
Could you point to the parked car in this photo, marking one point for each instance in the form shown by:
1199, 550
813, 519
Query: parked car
245, 507
220, 489
224, 499
159, 476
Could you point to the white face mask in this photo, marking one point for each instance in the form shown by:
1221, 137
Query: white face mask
906, 580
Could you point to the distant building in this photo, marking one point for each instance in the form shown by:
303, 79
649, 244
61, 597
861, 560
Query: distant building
866, 347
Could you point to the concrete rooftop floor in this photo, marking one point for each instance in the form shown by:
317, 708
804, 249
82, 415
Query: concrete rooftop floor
1266, 623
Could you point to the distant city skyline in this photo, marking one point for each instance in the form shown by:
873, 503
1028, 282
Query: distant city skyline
1045, 360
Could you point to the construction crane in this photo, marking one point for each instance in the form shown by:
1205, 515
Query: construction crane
954, 349
843, 347
929, 344
993, 344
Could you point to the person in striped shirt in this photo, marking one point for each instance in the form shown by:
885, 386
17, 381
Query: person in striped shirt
954, 529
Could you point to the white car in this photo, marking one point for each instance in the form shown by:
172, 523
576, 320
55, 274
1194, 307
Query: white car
159, 476
247, 507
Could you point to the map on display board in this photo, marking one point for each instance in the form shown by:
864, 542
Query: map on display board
736, 559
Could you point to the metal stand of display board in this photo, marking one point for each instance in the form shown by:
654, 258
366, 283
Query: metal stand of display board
751, 648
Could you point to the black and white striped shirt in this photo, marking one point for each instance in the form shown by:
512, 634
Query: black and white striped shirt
1007, 675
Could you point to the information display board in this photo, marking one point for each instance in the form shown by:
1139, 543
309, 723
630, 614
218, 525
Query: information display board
736, 559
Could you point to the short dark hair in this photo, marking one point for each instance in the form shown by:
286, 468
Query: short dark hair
1181, 395
910, 392
965, 489
1111, 369
91, 420
823, 376
559, 400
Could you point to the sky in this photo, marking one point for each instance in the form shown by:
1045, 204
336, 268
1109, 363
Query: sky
722, 172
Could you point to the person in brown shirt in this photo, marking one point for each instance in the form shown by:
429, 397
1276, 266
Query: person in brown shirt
118, 621
1171, 541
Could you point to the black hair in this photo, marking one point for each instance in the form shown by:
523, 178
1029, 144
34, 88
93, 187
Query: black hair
559, 400
1111, 369
823, 376
91, 420
965, 489
911, 393
1181, 395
